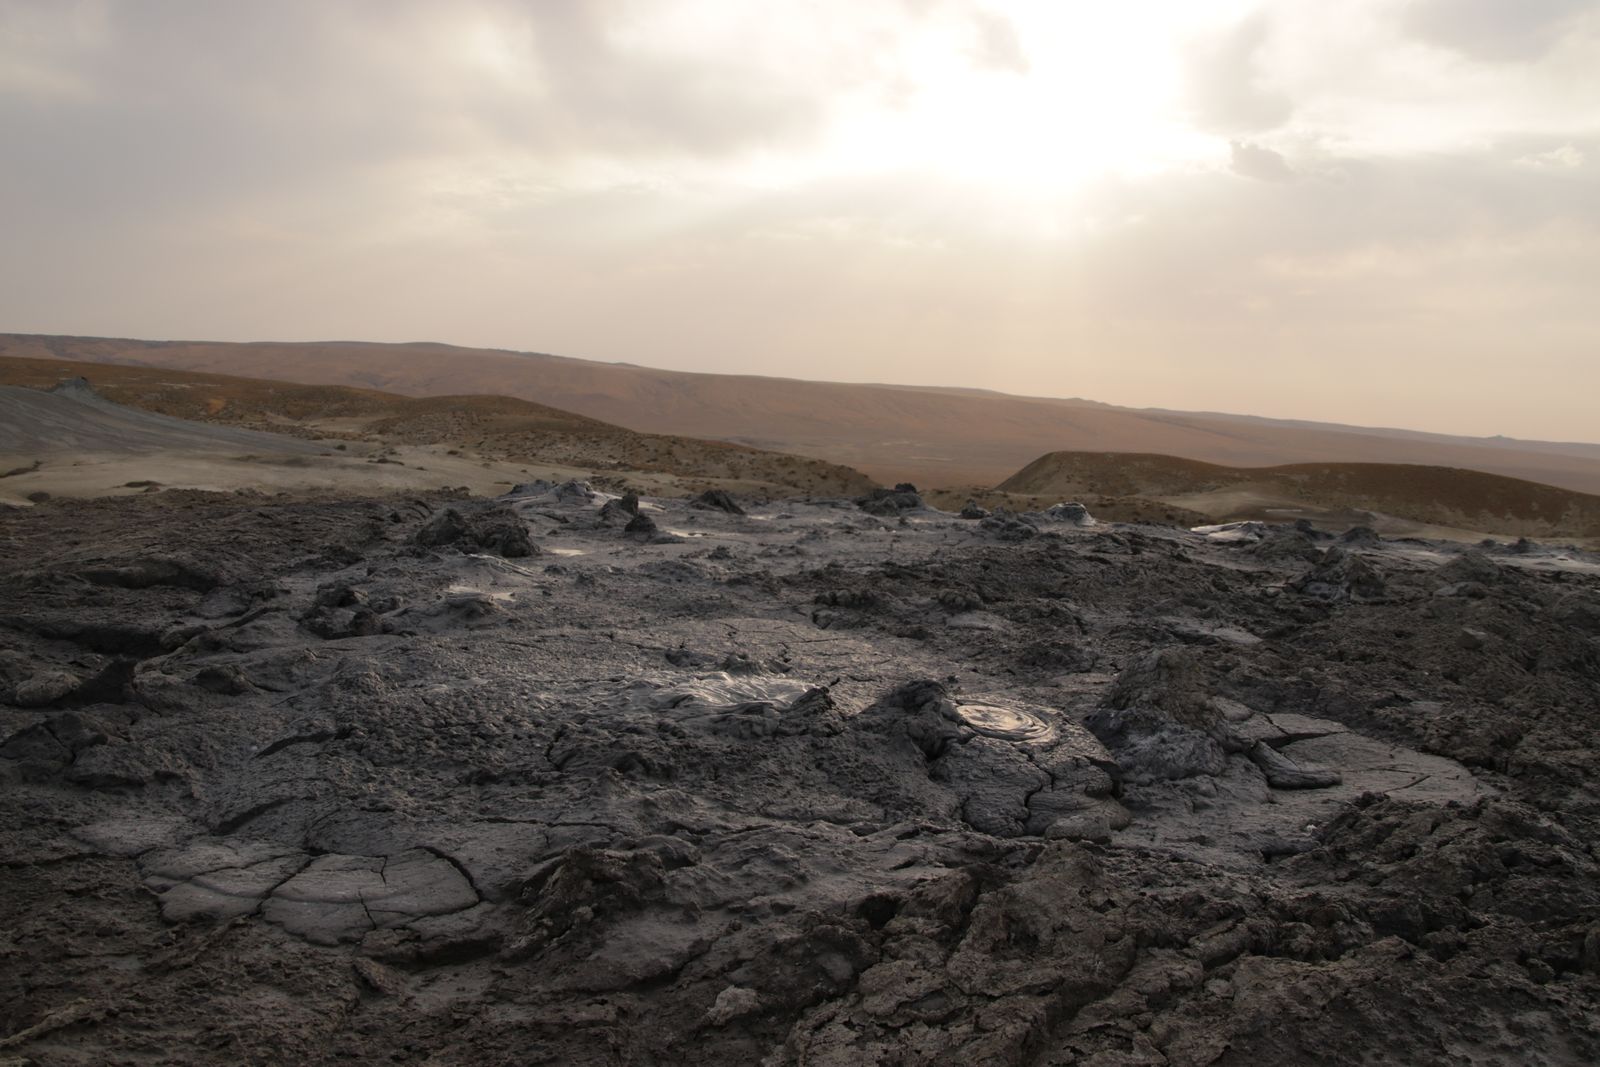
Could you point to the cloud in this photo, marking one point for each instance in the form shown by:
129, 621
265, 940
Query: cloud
1227, 90
1566, 157
1263, 164
512, 173
1494, 30
996, 45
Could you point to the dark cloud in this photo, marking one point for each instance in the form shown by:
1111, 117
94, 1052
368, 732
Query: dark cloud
1494, 30
1226, 89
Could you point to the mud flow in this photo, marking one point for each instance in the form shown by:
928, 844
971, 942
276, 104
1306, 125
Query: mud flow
569, 778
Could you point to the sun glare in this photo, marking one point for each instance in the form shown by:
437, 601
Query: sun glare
1091, 90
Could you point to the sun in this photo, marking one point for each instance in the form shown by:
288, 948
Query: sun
1095, 89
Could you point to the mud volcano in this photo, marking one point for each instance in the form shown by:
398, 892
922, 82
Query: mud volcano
562, 778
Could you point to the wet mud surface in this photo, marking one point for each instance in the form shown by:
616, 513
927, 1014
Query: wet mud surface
565, 778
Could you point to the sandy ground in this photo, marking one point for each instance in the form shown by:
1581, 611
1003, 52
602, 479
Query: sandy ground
92, 474
405, 468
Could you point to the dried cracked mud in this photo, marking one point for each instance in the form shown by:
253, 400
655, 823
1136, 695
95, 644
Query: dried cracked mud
564, 778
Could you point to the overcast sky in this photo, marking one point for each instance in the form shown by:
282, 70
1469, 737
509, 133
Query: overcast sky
1372, 211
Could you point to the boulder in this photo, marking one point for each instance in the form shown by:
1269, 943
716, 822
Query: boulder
717, 500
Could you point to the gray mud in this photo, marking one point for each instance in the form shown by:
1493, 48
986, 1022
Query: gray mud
72, 418
441, 781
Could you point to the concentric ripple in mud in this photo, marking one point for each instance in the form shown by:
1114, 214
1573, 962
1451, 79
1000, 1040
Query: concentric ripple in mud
1007, 724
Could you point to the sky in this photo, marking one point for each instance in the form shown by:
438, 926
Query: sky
1381, 212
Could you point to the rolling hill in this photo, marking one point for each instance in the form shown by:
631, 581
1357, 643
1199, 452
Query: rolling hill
930, 435
1445, 497
493, 429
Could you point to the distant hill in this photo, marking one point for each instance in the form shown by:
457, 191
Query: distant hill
1435, 496
494, 428
929, 435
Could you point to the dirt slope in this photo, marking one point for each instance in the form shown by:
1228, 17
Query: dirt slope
497, 429
931, 436
72, 418
1440, 496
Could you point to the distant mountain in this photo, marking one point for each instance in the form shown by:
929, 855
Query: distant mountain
928, 435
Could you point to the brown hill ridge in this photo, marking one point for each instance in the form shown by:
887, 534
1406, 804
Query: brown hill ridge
1347, 493
928, 435
497, 429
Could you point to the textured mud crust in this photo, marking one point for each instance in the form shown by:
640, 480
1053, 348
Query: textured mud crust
444, 781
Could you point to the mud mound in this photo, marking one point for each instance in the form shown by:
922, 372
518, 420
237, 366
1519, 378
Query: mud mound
493, 529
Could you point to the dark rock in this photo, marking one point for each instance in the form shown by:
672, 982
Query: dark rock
1581, 611
574, 492
889, 503
620, 510
717, 500
1169, 680
44, 689
226, 680
1007, 527
920, 711
1286, 543
587, 888
498, 530
339, 595
449, 527
1339, 575
1472, 566
1150, 746
1160, 721
335, 623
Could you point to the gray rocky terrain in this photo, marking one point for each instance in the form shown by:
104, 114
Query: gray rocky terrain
73, 418
576, 779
